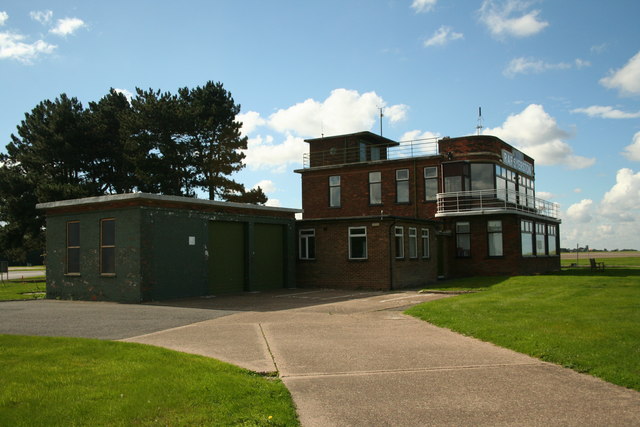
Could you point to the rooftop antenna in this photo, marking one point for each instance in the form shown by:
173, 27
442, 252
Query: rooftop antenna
381, 116
321, 129
479, 125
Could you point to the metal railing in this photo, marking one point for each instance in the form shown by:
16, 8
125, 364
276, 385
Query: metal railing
483, 201
372, 153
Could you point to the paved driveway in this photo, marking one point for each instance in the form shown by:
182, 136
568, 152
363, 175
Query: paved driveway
350, 358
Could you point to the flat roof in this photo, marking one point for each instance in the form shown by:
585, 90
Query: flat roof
366, 135
110, 198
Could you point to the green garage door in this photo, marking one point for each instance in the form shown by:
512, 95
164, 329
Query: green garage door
269, 257
226, 256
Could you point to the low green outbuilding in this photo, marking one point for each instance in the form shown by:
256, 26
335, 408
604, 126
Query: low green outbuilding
142, 247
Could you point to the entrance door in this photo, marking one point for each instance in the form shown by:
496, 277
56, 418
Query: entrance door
269, 257
227, 257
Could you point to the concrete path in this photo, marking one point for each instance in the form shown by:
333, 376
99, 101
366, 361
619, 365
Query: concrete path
356, 360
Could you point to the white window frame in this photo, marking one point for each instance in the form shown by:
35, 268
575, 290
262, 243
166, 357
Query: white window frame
494, 229
426, 249
430, 174
306, 238
402, 186
398, 241
413, 242
358, 232
334, 183
375, 182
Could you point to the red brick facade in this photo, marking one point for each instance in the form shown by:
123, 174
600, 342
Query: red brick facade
354, 157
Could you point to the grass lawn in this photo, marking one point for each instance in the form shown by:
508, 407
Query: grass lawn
585, 321
34, 288
70, 381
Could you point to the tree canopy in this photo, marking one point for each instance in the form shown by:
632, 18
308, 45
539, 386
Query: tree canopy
157, 142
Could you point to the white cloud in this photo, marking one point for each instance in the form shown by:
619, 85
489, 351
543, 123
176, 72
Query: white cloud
606, 112
67, 26
4, 17
632, 151
416, 135
545, 195
599, 48
577, 190
262, 153
536, 133
581, 63
42, 16
274, 203
250, 121
423, 5
442, 36
626, 79
581, 212
533, 66
12, 46
128, 94
267, 186
344, 111
510, 18
622, 202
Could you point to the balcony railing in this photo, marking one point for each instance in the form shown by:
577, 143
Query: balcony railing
371, 153
486, 201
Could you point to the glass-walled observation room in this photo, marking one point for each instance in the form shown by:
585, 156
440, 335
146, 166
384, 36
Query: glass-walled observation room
489, 180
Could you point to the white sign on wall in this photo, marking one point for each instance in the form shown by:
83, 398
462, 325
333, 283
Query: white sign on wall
516, 161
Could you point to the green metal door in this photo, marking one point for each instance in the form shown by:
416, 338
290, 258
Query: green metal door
269, 257
227, 257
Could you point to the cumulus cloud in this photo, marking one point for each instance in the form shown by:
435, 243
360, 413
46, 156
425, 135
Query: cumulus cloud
262, 153
442, 36
632, 151
622, 202
510, 18
4, 17
343, 111
14, 46
536, 133
420, 6
128, 94
42, 16
536, 66
626, 79
581, 211
250, 120
606, 112
267, 186
67, 26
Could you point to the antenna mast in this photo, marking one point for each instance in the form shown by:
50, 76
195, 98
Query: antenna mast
479, 125
381, 116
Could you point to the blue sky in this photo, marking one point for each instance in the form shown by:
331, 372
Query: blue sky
558, 79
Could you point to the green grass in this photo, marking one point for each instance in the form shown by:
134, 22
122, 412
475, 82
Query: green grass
80, 382
585, 321
32, 288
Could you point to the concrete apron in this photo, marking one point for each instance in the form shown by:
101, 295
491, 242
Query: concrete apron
363, 363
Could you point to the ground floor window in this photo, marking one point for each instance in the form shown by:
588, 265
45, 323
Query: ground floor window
357, 242
494, 231
463, 239
551, 240
425, 243
413, 243
108, 246
399, 242
307, 244
73, 247
526, 237
541, 239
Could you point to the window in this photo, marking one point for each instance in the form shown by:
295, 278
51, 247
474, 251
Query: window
425, 243
413, 243
73, 247
399, 233
357, 243
334, 191
307, 244
402, 186
551, 240
494, 231
375, 153
375, 188
452, 184
541, 240
526, 237
108, 246
463, 239
430, 183
482, 176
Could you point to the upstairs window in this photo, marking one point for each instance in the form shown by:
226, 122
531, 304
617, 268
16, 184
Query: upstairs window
402, 186
108, 246
73, 247
375, 188
334, 191
307, 244
430, 183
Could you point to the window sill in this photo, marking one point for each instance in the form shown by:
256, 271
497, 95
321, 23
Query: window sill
107, 274
72, 274
358, 259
